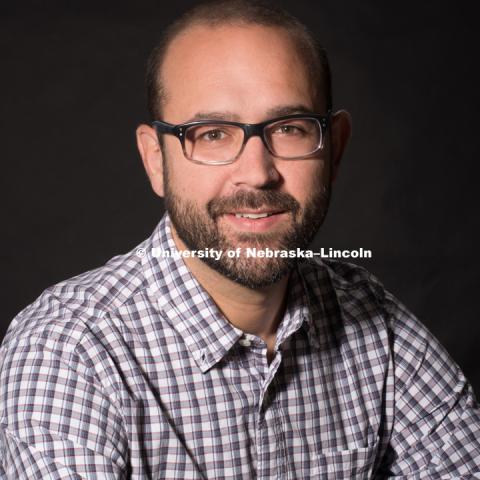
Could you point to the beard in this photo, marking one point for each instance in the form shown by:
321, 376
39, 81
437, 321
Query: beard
199, 229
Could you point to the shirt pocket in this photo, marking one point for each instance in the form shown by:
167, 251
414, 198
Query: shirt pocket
355, 463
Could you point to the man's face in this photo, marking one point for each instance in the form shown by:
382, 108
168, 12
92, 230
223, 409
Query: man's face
247, 74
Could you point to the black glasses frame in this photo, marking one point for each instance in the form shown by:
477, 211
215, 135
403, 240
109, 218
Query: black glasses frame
249, 130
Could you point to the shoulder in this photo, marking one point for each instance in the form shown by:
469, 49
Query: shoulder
361, 299
73, 332
344, 283
358, 302
71, 309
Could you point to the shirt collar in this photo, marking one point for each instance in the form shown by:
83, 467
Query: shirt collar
191, 310
299, 312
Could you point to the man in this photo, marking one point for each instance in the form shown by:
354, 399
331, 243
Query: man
190, 358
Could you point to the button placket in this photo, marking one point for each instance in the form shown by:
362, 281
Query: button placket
245, 342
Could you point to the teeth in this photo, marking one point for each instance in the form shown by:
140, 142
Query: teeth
252, 215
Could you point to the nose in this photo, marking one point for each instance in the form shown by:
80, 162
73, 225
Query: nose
255, 166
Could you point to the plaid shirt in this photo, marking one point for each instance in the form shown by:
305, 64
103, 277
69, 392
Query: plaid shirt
130, 371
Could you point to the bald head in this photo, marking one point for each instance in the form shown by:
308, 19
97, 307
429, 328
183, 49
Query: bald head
242, 13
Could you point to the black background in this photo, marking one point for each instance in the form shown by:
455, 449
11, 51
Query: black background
75, 193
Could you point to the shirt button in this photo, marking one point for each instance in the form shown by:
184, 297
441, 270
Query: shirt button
245, 342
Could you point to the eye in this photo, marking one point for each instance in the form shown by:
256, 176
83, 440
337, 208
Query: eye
212, 135
288, 129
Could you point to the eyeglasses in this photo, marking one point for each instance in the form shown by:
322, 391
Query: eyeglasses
214, 142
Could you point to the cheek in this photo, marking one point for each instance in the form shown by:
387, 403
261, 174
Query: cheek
194, 183
302, 179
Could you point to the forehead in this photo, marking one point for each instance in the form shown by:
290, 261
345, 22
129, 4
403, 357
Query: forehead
239, 68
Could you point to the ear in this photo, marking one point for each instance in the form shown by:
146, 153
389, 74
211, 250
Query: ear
151, 153
340, 132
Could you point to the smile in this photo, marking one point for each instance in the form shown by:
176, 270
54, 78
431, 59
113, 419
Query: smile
253, 215
259, 221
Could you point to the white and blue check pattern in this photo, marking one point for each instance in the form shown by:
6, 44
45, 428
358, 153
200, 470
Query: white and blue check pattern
131, 372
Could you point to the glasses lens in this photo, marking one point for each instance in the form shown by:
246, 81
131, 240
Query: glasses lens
294, 137
213, 143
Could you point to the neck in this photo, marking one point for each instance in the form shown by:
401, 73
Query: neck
256, 311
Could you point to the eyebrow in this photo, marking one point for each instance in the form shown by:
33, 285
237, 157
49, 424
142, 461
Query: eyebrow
228, 116
224, 116
287, 110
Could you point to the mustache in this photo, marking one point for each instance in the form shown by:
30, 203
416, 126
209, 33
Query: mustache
253, 200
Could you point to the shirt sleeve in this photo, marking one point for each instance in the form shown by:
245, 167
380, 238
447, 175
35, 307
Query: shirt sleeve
436, 426
56, 421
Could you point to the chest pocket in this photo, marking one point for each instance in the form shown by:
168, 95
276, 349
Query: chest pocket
356, 463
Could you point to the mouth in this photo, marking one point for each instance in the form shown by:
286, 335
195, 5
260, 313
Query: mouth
259, 221
255, 215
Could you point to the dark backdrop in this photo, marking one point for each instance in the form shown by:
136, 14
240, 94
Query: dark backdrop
74, 189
